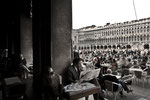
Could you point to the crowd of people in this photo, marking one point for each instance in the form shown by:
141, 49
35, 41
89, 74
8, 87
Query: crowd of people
116, 61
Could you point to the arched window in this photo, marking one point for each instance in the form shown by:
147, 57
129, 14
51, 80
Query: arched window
141, 29
148, 28
147, 37
138, 38
114, 46
141, 38
88, 47
109, 46
79, 47
146, 46
91, 47
105, 47
75, 47
94, 47
82, 48
144, 38
128, 46
127, 39
138, 30
118, 46
144, 28
134, 38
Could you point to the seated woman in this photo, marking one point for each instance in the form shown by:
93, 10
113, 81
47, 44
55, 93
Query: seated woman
129, 63
24, 71
135, 64
143, 64
97, 62
53, 89
114, 65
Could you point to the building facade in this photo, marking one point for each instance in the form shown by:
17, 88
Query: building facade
133, 34
75, 39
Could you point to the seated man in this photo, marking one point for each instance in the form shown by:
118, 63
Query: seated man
129, 63
135, 64
110, 77
73, 74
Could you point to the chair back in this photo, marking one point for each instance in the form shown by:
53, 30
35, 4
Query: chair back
125, 71
136, 66
109, 85
127, 78
114, 72
138, 74
148, 71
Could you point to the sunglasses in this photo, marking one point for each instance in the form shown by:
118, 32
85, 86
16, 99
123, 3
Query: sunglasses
51, 73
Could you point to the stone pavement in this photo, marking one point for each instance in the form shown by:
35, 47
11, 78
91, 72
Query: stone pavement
139, 93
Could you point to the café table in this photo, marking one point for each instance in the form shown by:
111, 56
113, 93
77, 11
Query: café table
80, 93
131, 70
135, 69
148, 64
117, 76
105, 66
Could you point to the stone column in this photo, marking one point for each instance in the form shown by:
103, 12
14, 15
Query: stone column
61, 28
26, 38
55, 51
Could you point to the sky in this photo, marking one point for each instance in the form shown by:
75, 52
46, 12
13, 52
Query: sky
99, 12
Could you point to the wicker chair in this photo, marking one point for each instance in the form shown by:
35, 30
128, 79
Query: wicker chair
109, 88
139, 76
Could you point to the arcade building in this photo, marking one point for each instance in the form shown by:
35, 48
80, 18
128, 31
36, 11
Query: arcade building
130, 34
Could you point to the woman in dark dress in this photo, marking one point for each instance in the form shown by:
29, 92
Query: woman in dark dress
53, 89
23, 67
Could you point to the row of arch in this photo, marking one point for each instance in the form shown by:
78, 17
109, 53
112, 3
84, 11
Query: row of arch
94, 47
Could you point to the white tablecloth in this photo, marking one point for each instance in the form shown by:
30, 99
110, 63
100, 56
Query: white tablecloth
106, 65
78, 87
135, 69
